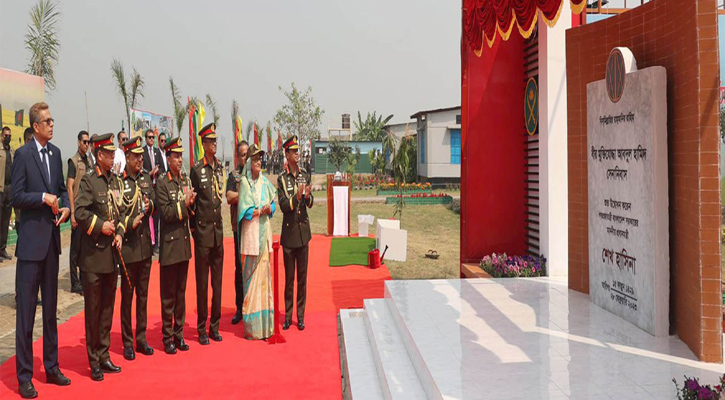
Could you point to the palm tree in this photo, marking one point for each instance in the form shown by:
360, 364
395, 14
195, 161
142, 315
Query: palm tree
212, 105
180, 109
131, 94
42, 41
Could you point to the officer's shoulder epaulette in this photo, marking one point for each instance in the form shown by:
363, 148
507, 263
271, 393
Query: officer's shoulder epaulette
199, 164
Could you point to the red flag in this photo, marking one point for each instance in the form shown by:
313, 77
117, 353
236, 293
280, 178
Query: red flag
256, 135
279, 140
192, 133
269, 138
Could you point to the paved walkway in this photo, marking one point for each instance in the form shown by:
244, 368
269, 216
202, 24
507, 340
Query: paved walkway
371, 199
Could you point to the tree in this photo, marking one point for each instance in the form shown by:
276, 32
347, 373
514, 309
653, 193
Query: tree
42, 41
249, 138
372, 128
212, 105
130, 94
353, 158
300, 116
338, 154
180, 110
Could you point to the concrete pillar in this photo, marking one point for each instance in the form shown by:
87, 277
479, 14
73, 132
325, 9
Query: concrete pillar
553, 193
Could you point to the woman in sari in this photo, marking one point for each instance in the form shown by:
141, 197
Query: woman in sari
256, 207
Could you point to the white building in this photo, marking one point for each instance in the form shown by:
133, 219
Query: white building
439, 145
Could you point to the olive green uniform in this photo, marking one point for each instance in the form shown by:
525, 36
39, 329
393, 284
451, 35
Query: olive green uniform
294, 239
208, 241
98, 200
137, 252
174, 253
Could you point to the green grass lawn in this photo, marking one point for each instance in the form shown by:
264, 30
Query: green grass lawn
429, 227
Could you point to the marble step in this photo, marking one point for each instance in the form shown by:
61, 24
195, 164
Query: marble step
397, 375
359, 364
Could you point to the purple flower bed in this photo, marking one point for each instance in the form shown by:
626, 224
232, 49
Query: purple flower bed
505, 266
692, 390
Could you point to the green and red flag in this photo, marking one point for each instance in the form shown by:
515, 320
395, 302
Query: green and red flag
19, 117
279, 140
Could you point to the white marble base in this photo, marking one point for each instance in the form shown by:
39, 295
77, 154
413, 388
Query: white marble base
515, 339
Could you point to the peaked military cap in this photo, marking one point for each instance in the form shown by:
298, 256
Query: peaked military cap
104, 142
174, 145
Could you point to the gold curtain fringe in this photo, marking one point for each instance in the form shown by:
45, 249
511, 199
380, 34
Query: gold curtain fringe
526, 33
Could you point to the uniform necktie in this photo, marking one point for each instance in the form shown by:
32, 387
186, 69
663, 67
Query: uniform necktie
45, 162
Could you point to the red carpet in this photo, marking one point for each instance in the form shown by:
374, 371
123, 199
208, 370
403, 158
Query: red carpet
306, 367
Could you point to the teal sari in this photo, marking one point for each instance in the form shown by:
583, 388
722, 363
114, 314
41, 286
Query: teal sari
255, 244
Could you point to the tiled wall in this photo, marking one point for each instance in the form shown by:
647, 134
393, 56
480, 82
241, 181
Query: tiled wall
680, 35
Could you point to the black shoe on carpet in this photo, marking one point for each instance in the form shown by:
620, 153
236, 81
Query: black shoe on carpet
237, 317
144, 349
203, 340
111, 368
27, 390
128, 353
56, 377
96, 374
170, 348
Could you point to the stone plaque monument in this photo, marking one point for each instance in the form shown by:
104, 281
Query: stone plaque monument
629, 265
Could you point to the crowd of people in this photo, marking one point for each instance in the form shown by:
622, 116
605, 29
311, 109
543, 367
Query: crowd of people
127, 202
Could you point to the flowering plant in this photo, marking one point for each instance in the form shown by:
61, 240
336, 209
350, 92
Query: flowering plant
505, 266
692, 390
405, 186
419, 195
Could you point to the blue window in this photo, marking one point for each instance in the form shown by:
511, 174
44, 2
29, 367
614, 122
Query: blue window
422, 147
456, 146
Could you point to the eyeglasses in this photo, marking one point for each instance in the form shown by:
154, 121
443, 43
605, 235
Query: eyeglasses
149, 137
162, 140
85, 141
47, 121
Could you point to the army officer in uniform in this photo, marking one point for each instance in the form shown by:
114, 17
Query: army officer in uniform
295, 197
206, 178
99, 211
174, 197
138, 199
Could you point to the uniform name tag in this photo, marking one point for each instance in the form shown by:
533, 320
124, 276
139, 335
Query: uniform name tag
203, 179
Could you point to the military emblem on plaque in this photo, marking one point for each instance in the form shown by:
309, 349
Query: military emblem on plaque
531, 106
615, 75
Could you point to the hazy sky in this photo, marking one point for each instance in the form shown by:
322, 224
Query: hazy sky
393, 57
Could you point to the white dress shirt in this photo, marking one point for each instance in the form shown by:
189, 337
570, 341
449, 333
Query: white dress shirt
119, 161
47, 161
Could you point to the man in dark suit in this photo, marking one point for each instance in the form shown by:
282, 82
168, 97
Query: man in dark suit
153, 163
38, 191
295, 197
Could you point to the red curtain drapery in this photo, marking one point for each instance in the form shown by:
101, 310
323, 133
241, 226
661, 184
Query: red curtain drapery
484, 19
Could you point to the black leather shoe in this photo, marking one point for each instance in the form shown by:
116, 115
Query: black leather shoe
27, 390
286, 324
128, 353
301, 325
182, 346
170, 348
215, 336
4, 254
57, 378
237, 317
108, 366
96, 374
203, 340
144, 349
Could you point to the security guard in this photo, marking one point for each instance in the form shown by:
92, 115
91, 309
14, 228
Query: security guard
99, 212
138, 199
295, 197
206, 177
174, 197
